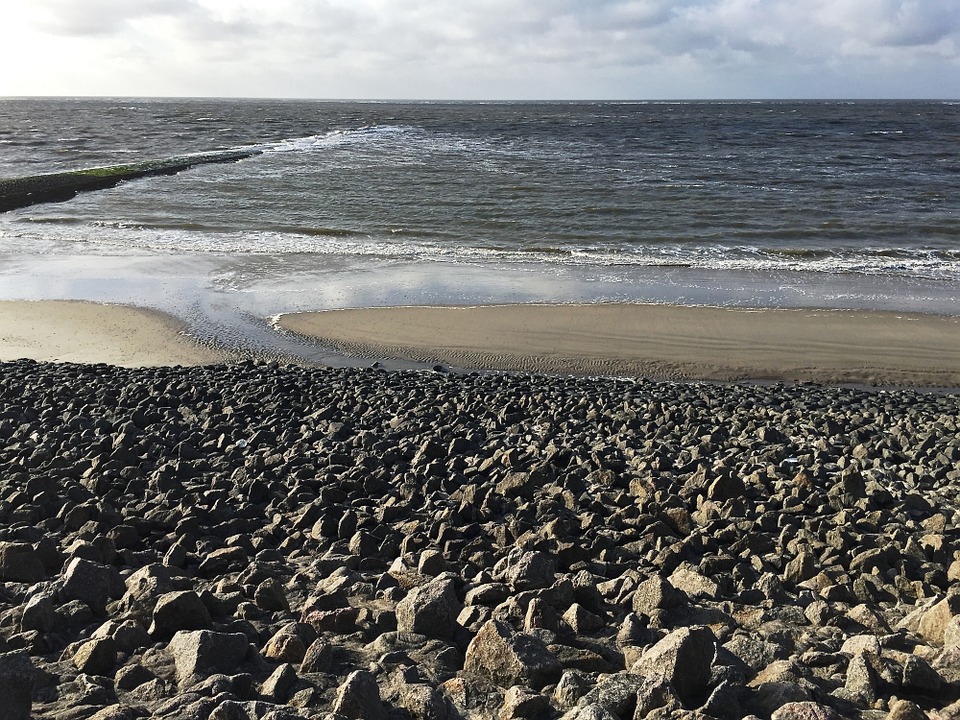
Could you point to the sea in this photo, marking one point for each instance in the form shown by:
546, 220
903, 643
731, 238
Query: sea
827, 204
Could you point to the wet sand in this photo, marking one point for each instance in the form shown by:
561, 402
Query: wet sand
665, 342
66, 331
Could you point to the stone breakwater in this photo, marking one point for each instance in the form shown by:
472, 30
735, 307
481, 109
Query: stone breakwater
58, 187
274, 542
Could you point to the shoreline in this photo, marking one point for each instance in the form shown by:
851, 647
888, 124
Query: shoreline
660, 342
665, 342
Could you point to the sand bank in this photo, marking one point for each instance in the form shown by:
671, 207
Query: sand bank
667, 342
64, 331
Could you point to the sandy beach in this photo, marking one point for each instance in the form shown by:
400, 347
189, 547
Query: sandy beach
64, 331
665, 342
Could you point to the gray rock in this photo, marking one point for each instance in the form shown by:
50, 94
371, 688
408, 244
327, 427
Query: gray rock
507, 658
96, 657
683, 658
182, 610
199, 653
430, 610
522, 704
804, 711
655, 593
17, 674
92, 583
532, 570
19, 562
358, 698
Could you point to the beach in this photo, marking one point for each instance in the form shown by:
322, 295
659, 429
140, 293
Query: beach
656, 341
664, 342
82, 332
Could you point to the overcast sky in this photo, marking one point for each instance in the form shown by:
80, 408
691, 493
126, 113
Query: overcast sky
482, 49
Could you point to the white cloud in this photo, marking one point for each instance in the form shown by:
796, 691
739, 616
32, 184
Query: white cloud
484, 48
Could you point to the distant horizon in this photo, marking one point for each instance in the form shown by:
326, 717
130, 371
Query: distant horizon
530, 101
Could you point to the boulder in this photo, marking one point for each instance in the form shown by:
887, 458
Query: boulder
199, 653
17, 674
182, 610
19, 562
92, 583
430, 610
684, 659
507, 658
358, 698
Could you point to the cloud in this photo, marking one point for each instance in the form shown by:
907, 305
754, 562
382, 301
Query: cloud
535, 48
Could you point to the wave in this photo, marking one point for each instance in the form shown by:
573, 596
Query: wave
403, 245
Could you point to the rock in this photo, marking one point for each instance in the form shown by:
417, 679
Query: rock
655, 593
17, 674
506, 658
183, 610
804, 711
19, 562
423, 702
430, 610
688, 579
92, 583
199, 653
906, 710
285, 647
532, 570
519, 703
617, 693
276, 687
96, 657
270, 596
934, 622
683, 658
358, 698
581, 620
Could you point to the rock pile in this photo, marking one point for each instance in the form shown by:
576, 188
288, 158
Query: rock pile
279, 542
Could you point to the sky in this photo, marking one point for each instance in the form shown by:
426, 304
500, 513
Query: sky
482, 49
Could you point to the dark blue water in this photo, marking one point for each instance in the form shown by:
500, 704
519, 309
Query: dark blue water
736, 203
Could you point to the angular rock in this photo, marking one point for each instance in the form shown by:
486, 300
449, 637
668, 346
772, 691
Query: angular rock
430, 610
17, 674
655, 593
200, 653
183, 610
19, 562
507, 658
684, 659
358, 698
96, 657
92, 583
532, 570
804, 711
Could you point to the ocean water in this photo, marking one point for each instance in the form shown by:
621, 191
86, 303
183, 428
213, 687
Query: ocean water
784, 204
